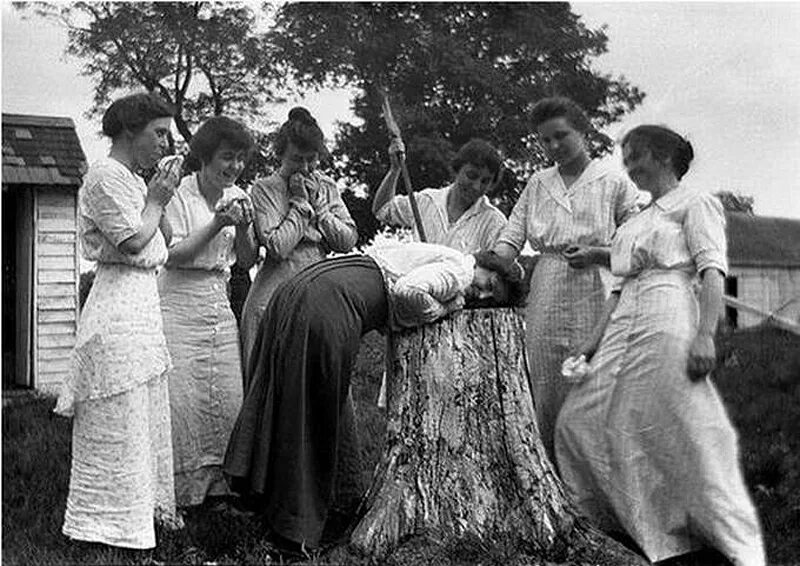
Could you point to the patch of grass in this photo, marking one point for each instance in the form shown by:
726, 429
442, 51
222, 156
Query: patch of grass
759, 379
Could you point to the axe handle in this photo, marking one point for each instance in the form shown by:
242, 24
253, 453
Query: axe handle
394, 132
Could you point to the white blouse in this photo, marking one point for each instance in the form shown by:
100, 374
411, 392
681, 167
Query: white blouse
684, 230
110, 205
422, 279
551, 216
476, 229
189, 211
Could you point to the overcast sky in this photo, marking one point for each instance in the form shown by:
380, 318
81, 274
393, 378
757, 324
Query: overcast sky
726, 75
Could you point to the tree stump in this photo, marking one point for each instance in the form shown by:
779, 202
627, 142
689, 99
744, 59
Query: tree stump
463, 459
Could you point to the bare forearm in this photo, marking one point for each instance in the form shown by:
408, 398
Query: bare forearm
386, 190
188, 248
710, 300
151, 220
245, 246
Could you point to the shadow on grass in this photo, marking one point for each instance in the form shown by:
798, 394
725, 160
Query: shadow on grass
759, 379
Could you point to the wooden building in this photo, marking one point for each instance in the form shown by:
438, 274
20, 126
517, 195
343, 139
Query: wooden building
43, 165
764, 267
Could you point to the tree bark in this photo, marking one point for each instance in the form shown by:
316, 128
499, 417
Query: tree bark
463, 459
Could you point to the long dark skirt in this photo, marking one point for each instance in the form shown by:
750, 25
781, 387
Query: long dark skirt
286, 447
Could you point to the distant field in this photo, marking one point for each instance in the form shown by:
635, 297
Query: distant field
759, 379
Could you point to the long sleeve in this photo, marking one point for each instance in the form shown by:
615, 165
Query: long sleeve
334, 221
397, 212
426, 293
280, 222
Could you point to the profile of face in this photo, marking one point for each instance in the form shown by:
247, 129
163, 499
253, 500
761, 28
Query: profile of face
486, 284
225, 165
294, 161
561, 142
151, 144
472, 182
643, 169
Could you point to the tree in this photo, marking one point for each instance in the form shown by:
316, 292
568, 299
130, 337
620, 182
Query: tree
454, 71
205, 58
462, 459
736, 202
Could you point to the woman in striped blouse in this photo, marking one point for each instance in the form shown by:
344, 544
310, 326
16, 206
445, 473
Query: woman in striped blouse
568, 213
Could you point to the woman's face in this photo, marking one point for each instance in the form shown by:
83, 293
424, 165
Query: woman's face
473, 182
486, 284
642, 167
561, 142
295, 161
152, 143
225, 166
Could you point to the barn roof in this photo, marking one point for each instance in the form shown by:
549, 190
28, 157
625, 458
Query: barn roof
41, 150
762, 241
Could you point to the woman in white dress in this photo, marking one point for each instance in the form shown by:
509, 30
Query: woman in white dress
121, 476
568, 213
209, 221
644, 445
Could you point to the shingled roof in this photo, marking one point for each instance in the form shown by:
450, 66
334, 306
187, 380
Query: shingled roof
762, 241
41, 150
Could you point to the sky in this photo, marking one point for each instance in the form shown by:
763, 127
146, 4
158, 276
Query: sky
724, 74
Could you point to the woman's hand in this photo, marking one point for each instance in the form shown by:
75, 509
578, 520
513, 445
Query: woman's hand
231, 215
397, 151
579, 256
297, 187
587, 348
161, 187
702, 356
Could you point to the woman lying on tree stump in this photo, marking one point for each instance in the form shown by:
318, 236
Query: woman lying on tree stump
288, 440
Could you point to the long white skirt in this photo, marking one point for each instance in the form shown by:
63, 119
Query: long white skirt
644, 449
121, 477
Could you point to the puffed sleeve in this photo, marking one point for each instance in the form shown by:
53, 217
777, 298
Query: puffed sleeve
277, 231
397, 212
515, 232
334, 220
424, 294
114, 206
704, 227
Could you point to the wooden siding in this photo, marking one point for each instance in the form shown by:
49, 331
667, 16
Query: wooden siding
771, 289
56, 285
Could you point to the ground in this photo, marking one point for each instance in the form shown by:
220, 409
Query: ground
759, 379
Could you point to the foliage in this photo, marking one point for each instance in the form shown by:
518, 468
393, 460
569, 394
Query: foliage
454, 71
735, 202
206, 58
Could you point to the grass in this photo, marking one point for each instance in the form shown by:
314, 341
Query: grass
759, 379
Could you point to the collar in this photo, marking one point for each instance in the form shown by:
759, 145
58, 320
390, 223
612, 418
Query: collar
674, 198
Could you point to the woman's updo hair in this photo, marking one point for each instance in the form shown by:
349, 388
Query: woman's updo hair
210, 136
663, 143
560, 107
134, 112
301, 130
479, 153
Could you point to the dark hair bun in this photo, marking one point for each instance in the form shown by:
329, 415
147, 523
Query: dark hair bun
300, 114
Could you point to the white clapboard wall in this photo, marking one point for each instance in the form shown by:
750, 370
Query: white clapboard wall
56, 282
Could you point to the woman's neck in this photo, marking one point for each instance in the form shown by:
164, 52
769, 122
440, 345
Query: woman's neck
122, 152
210, 191
456, 204
575, 167
664, 183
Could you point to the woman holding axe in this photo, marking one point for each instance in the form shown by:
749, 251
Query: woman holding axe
459, 215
